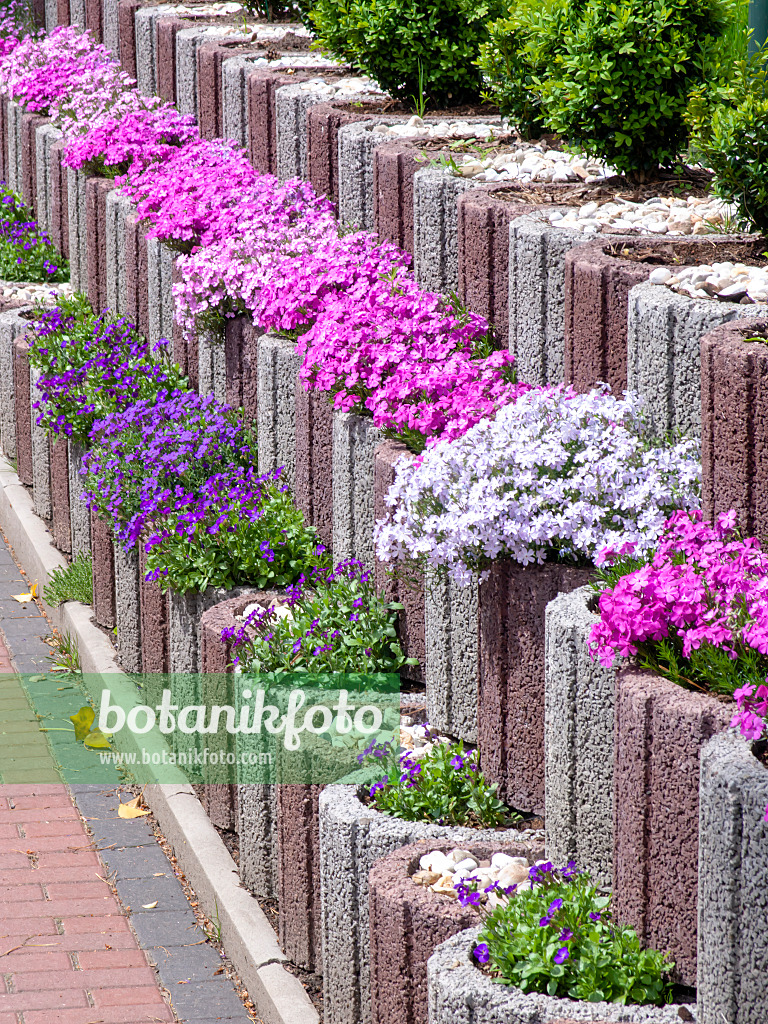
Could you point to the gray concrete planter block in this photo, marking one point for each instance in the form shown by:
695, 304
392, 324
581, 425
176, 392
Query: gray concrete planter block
733, 882
278, 366
185, 613
354, 445
110, 26
579, 697
51, 15
45, 136
257, 828
356, 145
13, 129
77, 13
436, 227
118, 209
12, 323
146, 46
79, 516
159, 274
234, 74
187, 42
41, 455
127, 610
451, 671
459, 993
353, 836
212, 368
663, 360
291, 105
537, 297
78, 238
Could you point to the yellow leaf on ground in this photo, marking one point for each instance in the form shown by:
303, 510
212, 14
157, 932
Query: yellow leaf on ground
149, 906
82, 722
26, 598
131, 809
96, 740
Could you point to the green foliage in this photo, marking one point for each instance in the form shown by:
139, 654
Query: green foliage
71, 583
274, 10
445, 786
413, 49
558, 937
26, 253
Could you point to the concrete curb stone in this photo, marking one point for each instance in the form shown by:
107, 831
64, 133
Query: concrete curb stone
41, 455
355, 440
79, 517
278, 367
579, 697
12, 323
45, 136
436, 228
452, 656
127, 606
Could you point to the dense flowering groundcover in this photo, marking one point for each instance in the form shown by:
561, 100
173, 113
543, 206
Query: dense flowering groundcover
26, 252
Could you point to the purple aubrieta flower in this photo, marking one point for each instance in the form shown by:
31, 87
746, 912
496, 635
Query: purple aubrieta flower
481, 953
561, 955
457, 762
594, 916
566, 935
379, 786
556, 904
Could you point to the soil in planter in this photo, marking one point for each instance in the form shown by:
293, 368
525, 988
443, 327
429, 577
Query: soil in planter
679, 253
760, 751
392, 106
608, 190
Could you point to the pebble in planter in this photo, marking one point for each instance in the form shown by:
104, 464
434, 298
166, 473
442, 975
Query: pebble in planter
355, 440
278, 367
733, 880
735, 424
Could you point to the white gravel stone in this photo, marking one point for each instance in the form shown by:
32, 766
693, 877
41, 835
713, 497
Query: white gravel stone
726, 281
460, 866
23, 291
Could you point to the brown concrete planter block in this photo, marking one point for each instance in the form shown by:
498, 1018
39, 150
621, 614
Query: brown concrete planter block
21, 384
394, 165
734, 425
155, 646
512, 606
93, 18
126, 11
313, 488
96, 192
59, 228
408, 922
210, 87
136, 274
261, 85
323, 123
660, 729
166, 30
411, 620
63, 8
59, 459
241, 355
298, 852
178, 342
29, 125
103, 572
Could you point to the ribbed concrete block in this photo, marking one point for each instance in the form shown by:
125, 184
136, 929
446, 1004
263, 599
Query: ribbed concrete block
145, 47
578, 740
79, 517
537, 296
212, 373
59, 462
187, 42
211, 59
323, 123
51, 15
167, 27
734, 411
77, 13
41, 456
127, 606
58, 229
298, 864
355, 440
45, 135
353, 836
407, 592
78, 239
241, 357
278, 366
257, 829
357, 143
510, 727
13, 132
118, 208
664, 330
394, 167
103, 572
13, 322
179, 345
435, 228
4, 101
23, 411
733, 882
292, 103
186, 611
234, 72
160, 296
313, 488
136, 273
63, 16
262, 85
110, 25
29, 125
452, 657
96, 192
407, 924
660, 729
153, 608
126, 32
459, 993
94, 18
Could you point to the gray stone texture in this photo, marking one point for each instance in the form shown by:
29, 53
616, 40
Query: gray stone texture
13, 130
663, 360
459, 993
41, 455
118, 209
79, 517
354, 445
436, 227
451, 671
77, 13
51, 15
537, 296
110, 27
356, 145
159, 276
212, 368
127, 613
12, 323
187, 42
78, 239
278, 366
146, 46
578, 740
352, 837
45, 136
291, 105
186, 610
733, 884
257, 828
22, 410
234, 75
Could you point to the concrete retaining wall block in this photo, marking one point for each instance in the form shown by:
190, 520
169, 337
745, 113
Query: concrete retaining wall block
29, 125
96, 192
660, 729
407, 924
153, 607
353, 836
13, 170
167, 27
94, 18
733, 881
186, 611
12, 324
58, 229
510, 733
452, 665
459, 993
118, 208
298, 874
663, 359
136, 273
357, 143
313, 487
212, 372
127, 606
323, 123
45, 136
103, 572
77, 13
51, 15
4, 101
261, 84
79, 517
241, 357
159, 295
41, 455
126, 32
257, 828
78, 239
22, 406
234, 72
110, 25
578, 740
291, 105
435, 228
188, 40
278, 366
59, 462
394, 167
145, 48
734, 413
355, 440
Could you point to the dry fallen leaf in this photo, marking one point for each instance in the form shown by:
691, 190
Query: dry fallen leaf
131, 809
149, 906
26, 598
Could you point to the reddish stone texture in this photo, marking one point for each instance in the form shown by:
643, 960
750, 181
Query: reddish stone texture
4, 101
210, 92
262, 118
658, 734
178, 343
165, 52
93, 18
29, 124
511, 689
323, 123
59, 228
394, 165
408, 922
241, 355
313, 488
22, 400
298, 843
103, 572
126, 24
734, 424
38, 13
410, 621
96, 192
153, 607
63, 12
136, 274
60, 528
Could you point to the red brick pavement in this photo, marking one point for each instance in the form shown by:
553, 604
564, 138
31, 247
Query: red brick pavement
67, 955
